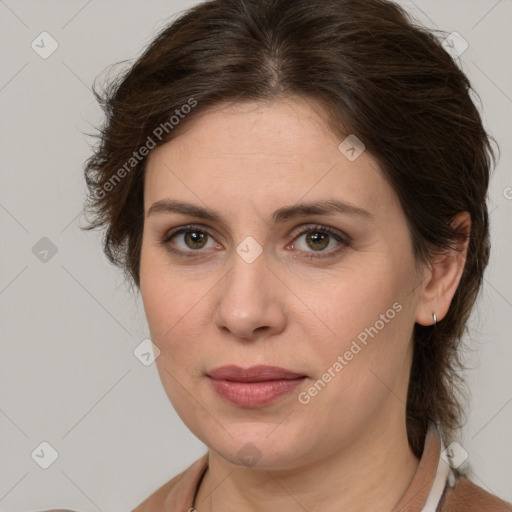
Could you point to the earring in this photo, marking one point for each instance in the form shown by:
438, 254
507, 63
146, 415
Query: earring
435, 319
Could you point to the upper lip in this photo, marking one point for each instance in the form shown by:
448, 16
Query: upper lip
253, 374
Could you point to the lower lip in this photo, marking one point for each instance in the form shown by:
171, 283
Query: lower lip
254, 394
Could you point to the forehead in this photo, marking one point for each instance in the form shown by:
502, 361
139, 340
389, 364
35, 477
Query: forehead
272, 152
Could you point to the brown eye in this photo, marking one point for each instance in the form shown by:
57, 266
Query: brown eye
195, 239
317, 241
188, 240
318, 238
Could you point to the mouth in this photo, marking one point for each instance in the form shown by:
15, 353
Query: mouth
255, 386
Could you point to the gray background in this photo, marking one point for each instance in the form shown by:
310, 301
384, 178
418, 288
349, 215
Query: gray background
68, 375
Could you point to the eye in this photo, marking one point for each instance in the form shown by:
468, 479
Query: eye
192, 239
318, 238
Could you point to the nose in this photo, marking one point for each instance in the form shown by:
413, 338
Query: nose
251, 300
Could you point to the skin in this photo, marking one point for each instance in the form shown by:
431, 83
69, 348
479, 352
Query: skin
348, 446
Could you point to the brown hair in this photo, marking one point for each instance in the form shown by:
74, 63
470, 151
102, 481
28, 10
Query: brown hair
379, 76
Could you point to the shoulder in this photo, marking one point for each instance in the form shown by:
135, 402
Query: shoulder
157, 499
465, 496
177, 492
152, 503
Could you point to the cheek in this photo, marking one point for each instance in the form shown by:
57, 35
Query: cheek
367, 318
176, 312
356, 305
167, 297
174, 319
173, 313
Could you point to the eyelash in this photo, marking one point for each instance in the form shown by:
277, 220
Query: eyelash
343, 239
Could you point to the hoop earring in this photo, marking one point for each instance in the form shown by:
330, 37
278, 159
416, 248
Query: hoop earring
435, 319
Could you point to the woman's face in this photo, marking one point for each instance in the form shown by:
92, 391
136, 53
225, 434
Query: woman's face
249, 288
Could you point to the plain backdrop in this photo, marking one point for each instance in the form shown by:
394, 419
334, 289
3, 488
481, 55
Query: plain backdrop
69, 326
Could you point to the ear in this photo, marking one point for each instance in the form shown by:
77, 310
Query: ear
443, 277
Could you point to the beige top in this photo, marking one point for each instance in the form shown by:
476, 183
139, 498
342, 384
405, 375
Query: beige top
434, 488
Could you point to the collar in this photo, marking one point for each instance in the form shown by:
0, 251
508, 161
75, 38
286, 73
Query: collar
428, 483
423, 494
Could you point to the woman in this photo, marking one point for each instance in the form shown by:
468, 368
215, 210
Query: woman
298, 190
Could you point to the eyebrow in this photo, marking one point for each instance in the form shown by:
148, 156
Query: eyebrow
168, 206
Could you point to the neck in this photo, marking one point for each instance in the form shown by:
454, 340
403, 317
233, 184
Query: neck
376, 467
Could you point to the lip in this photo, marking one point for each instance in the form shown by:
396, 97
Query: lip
253, 374
255, 386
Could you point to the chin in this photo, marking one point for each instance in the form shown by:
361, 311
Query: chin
260, 446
